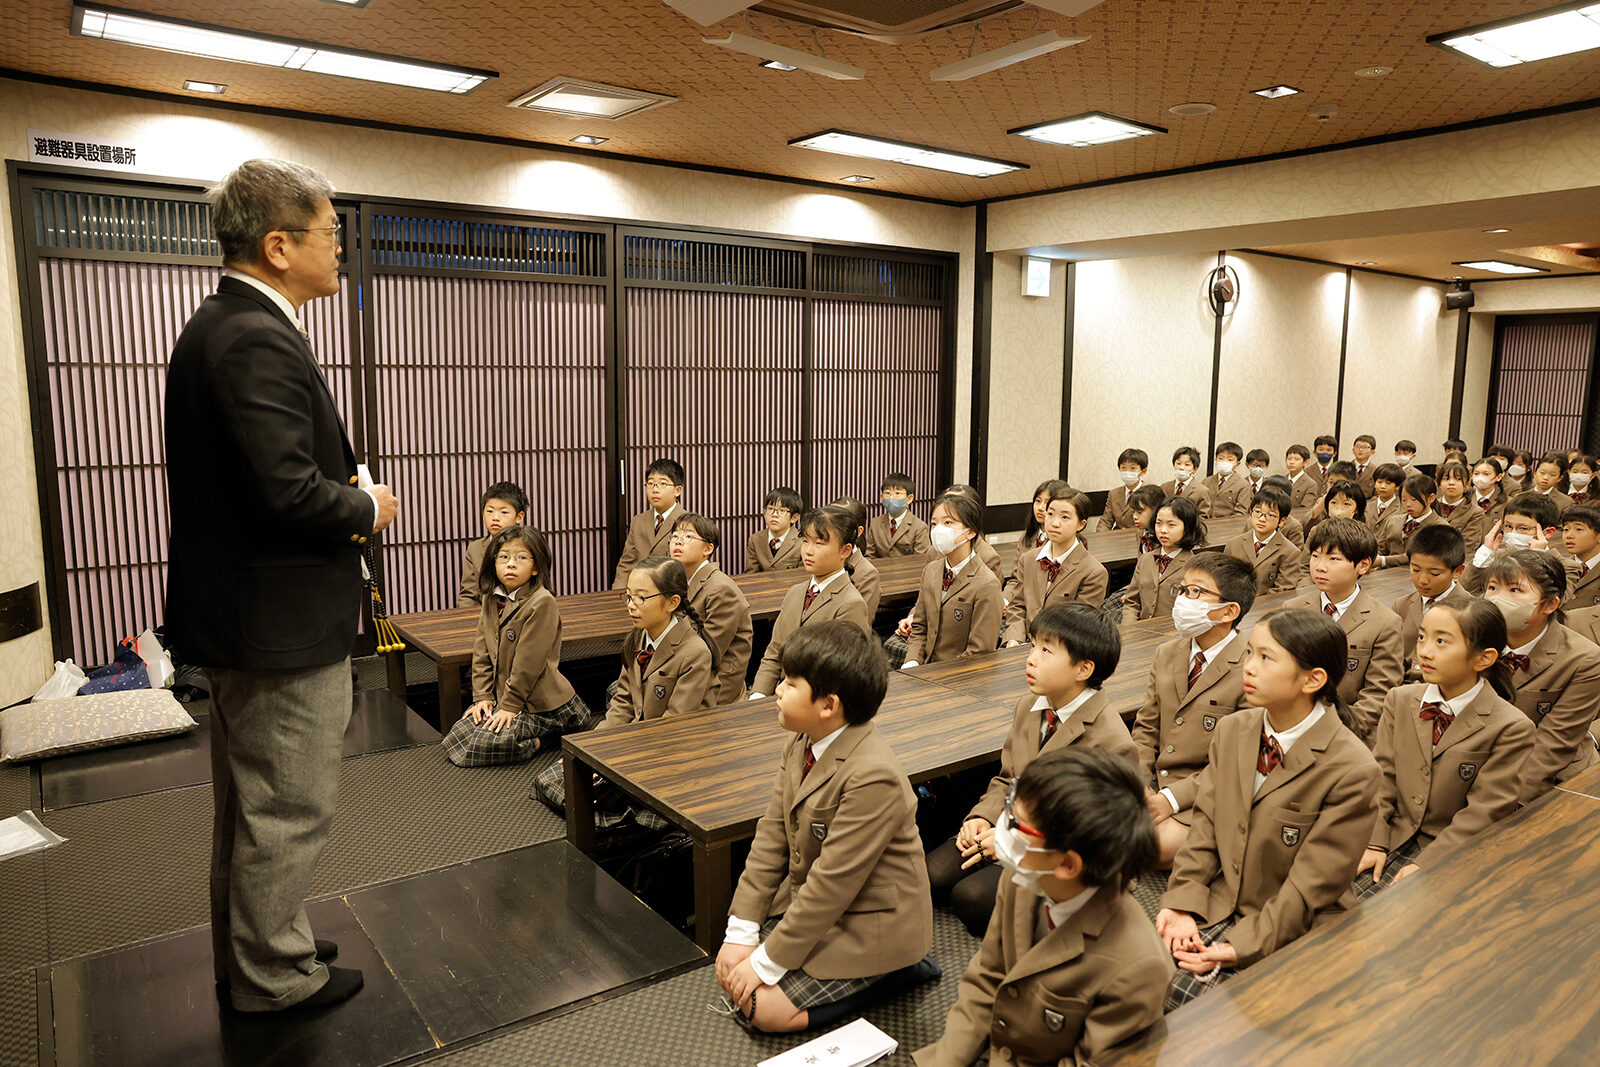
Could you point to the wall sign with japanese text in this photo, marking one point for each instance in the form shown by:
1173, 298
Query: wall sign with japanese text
77, 150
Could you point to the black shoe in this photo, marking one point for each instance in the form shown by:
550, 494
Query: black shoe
327, 952
343, 983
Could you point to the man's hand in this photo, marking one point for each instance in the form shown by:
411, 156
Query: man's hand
387, 506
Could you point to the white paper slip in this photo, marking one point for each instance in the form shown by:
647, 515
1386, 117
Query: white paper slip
364, 477
25, 833
853, 1045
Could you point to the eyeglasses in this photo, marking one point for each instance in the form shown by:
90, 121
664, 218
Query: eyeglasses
681, 538
658, 485
1011, 818
512, 560
335, 231
1194, 592
778, 512
632, 599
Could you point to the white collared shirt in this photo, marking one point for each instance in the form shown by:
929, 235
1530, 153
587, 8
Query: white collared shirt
781, 539
663, 514
1527, 649
1210, 655
1592, 562
1044, 551
748, 932
1429, 601
1340, 608
819, 585
1287, 738
1059, 911
650, 643
1456, 706
959, 567
1295, 477
1064, 712
703, 565
500, 591
1478, 497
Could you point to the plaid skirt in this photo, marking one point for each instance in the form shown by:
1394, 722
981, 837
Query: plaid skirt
894, 646
470, 744
806, 992
613, 809
1186, 985
1400, 857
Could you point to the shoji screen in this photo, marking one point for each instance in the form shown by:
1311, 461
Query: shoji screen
118, 276
1543, 369
877, 329
489, 351
711, 373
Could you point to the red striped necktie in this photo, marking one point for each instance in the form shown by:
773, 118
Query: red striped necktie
1051, 568
772, 545
811, 596
1270, 756
807, 763
1441, 719
644, 657
1516, 661
658, 522
1162, 563
1197, 668
949, 579
1051, 722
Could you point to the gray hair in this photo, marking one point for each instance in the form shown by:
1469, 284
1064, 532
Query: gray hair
262, 195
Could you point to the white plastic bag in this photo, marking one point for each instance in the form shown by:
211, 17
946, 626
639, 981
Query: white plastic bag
156, 660
65, 682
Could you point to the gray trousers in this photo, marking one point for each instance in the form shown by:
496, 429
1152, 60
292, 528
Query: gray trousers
276, 740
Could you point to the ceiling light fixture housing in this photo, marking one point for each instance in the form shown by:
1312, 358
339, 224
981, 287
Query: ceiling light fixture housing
215, 88
589, 138
866, 146
589, 100
1086, 130
1498, 229
1273, 92
1500, 266
773, 64
856, 179
1556, 31
755, 46
219, 42
1374, 72
1004, 56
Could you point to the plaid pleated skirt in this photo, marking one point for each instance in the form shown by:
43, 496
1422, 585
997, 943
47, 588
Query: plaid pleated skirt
894, 647
1186, 985
806, 992
613, 809
1398, 858
470, 744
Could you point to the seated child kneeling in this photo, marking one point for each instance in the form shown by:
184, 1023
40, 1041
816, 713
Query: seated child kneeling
519, 695
1442, 785
1284, 810
1073, 838
835, 878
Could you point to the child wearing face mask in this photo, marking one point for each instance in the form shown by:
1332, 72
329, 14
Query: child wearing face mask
1530, 522
1070, 967
1186, 481
1257, 463
1132, 465
1556, 673
1325, 450
958, 605
1230, 489
1405, 454
1488, 495
897, 532
1517, 471
1195, 680
1580, 479
1179, 531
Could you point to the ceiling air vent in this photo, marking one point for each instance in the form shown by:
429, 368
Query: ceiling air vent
589, 100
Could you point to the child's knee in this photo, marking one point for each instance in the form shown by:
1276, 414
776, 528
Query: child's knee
774, 1013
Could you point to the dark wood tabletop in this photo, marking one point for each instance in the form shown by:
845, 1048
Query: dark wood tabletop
1487, 956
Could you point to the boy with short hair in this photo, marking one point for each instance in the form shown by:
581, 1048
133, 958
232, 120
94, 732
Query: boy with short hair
1405, 454
1186, 480
1531, 521
1304, 487
1257, 465
827, 540
897, 532
1065, 929
1291, 526
836, 860
1326, 451
1384, 510
1438, 558
1580, 534
1272, 558
502, 505
1132, 465
725, 621
777, 548
1342, 550
1230, 489
1075, 649
1195, 680
650, 532
1362, 449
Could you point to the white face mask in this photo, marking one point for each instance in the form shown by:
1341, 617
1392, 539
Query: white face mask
1517, 613
1258, 473
1180, 476
1009, 848
944, 538
1129, 478
1191, 617
1514, 540
1579, 480
1516, 470
1404, 461
1225, 466
1483, 483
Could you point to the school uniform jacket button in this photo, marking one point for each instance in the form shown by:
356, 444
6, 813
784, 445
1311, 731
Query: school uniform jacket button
1170, 748
1178, 721
1241, 828
354, 480
362, 541
355, 539
1163, 772
1235, 868
1426, 770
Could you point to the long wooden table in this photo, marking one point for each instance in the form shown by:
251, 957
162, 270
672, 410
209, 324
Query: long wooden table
1487, 956
710, 772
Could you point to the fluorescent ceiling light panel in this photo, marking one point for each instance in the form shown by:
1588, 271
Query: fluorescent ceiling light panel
1272, 92
1500, 266
204, 87
755, 46
993, 60
1086, 130
773, 64
1557, 32
709, 12
216, 42
589, 138
844, 143
589, 100
1498, 229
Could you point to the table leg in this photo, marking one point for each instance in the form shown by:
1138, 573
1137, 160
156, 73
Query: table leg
580, 803
396, 664
449, 696
713, 893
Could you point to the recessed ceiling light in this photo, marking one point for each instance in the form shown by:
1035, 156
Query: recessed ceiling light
1500, 266
589, 138
773, 64
755, 46
1498, 229
1083, 131
205, 87
993, 60
1374, 72
1272, 92
217, 42
846, 143
589, 100
1192, 109
856, 179
1558, 31
1367, 263
351, 3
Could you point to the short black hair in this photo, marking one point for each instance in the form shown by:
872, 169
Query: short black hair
1536, 506
1091, 801
1187, 450
510, 492
1392, 473
1231, 448
703, 528
1148, 497
1453, 468
785, 498
1258, 455
1441, 541
1272, 497
1134, 455
1454, 444
1420, 487
1342, 468
1326, 439
1586, 514
1279, 482
1406, 446
839, 658
1084, 633
1346, 487
1366, 439
1559, 459
1298, 450
898, 481
671, 468
1236, 579
1353, 540
1187, 512
828, 523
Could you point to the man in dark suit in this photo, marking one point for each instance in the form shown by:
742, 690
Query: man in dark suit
264, 582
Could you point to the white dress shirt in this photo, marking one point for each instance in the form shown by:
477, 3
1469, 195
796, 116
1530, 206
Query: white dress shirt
1287, 738
1210, 655
957, 569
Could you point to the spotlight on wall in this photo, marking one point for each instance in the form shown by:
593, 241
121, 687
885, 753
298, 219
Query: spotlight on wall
1459, 298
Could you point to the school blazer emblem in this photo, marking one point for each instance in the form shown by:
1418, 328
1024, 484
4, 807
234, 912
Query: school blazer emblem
960, 615
1054, 1021
1351, 664
1467, 771
511, 635
819, 831
661, 692
1544, 707
1291, 835
1209, 722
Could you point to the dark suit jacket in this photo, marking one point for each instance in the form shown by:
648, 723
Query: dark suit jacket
267, 524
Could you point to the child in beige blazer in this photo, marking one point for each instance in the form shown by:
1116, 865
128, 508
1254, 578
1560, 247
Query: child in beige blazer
897, 532
777, 546
725, 620
502, 504
1062, 570
1179, 532
1273, 559
1186, 480
1132, 465
826, 545
650, 532
957, 612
